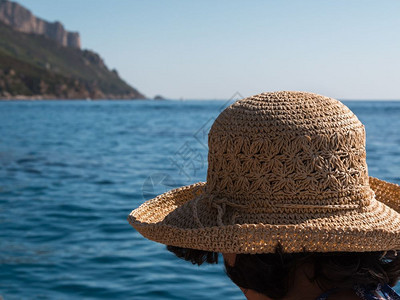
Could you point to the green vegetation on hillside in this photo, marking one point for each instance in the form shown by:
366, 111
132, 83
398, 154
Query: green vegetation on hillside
33, 65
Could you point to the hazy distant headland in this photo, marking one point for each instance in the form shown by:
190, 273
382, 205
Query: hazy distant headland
42, 60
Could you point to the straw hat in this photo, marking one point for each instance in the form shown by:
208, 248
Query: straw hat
283, 167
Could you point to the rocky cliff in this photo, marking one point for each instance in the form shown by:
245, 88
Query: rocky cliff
40, 60
21, 19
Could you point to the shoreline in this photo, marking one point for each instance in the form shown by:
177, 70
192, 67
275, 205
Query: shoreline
50, 98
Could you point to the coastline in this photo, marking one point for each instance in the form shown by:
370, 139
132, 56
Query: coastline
52, 97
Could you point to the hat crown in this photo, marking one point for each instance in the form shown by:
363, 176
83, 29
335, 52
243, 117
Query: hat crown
291, 148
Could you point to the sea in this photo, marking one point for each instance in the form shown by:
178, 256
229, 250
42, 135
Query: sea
72, 171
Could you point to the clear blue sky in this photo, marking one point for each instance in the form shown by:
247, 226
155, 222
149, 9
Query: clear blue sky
212, 49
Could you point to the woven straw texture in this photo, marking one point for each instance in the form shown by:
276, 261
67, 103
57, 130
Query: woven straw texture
283, 167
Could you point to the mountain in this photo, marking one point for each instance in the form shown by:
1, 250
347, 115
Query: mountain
42, 60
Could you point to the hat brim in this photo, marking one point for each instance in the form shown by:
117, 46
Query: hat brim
372, 228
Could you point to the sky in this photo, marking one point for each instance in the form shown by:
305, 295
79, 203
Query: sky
214, 49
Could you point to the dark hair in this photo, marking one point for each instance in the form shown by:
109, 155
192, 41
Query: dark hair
272, 274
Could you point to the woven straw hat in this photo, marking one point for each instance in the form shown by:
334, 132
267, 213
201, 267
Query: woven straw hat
283, 167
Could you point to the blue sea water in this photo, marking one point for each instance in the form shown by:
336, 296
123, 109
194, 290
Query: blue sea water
71, 172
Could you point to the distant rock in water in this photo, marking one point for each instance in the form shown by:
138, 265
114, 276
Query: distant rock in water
41, 60
21, 19
159, 97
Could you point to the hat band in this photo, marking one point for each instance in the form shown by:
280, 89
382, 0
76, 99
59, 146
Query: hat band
221, 204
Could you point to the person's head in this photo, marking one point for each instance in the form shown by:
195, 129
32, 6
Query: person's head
286, 171
276, 274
